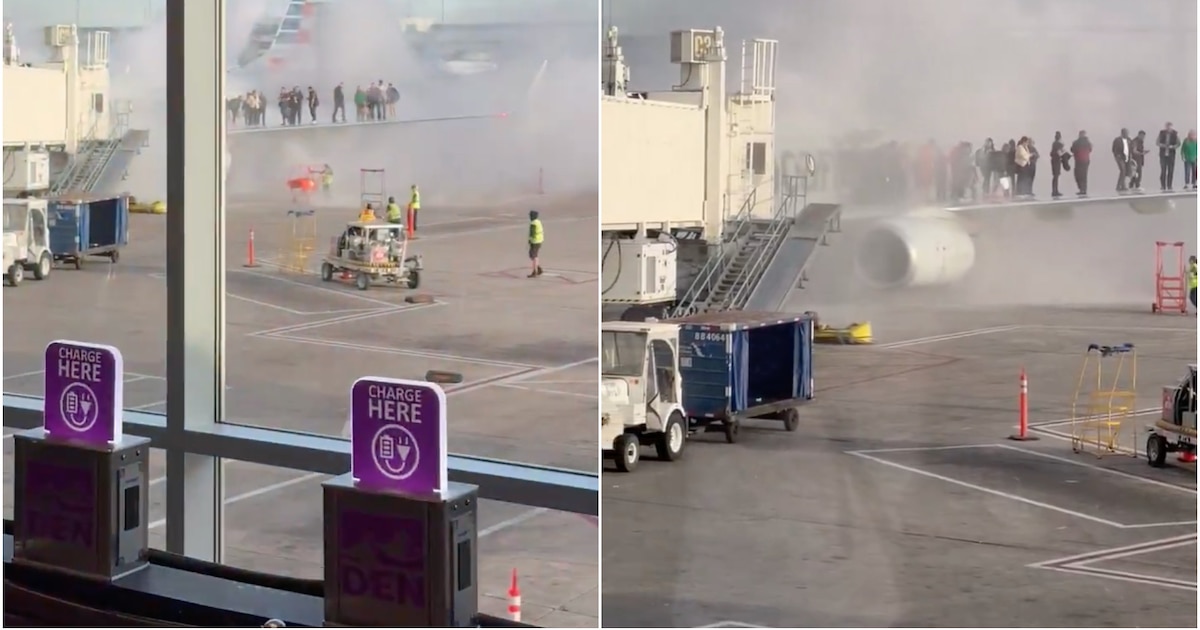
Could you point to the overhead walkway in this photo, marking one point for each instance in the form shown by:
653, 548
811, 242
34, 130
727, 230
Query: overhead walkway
762, 260
326, 126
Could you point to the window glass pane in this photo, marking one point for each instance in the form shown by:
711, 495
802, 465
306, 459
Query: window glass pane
274, 523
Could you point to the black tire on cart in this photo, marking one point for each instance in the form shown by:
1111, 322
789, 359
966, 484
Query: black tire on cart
326, 272
414, 279
362, 281
732, 429
791, 419
1156, 450
628, 451
44, 265
670, 443
16, 273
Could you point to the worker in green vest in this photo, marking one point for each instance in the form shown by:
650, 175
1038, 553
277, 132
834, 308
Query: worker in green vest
327, 180
537, 234
1191, 279
394, 215
414, 205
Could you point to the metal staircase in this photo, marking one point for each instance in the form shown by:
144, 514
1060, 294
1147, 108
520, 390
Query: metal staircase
92, 160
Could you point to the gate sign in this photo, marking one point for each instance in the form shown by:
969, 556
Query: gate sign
85, 386
398, 435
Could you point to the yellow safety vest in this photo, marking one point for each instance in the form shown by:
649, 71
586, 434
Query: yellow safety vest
1192, 281
536, 233
415, 201
366, 215
393, 213
327, 178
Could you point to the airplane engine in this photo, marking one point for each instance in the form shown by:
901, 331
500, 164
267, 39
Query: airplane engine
1152, 206
1059, 214
914, 252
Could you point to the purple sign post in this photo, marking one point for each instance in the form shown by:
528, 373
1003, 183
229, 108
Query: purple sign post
398, 436
85, 387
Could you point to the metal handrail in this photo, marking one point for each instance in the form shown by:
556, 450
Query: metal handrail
781, 222
95, 158
714, 268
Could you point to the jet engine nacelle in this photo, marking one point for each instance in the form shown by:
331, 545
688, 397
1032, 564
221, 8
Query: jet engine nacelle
1152, 206
915, 251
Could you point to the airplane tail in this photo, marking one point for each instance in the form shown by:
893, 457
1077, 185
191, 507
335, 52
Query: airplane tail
273, 34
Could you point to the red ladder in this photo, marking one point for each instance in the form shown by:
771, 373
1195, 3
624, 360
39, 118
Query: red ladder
1170, 292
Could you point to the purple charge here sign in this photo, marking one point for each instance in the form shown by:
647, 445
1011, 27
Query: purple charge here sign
85, 385
398, 435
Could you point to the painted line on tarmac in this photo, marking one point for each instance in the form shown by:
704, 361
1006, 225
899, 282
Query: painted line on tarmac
964, 334
559, 392
353, 317
1079, 564
421, 354
345, 294
293, 311
501, 228
512, 522
237, 498
516, 377
1111, 471
997, 493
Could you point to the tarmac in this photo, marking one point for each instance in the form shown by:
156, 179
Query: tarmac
526, 349
900, 501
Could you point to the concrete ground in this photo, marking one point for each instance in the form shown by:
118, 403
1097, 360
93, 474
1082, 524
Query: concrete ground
526, 349
925, 515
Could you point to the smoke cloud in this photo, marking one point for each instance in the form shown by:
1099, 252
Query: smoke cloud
532, 118
952, 70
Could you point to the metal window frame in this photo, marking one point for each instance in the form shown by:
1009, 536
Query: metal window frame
192, 432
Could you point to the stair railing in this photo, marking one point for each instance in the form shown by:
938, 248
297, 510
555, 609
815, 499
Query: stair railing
735, 230
747, 279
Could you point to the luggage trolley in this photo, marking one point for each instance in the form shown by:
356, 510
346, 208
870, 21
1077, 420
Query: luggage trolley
1170, 291
1105, 396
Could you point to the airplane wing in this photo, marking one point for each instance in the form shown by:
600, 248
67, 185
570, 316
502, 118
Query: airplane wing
1142, 202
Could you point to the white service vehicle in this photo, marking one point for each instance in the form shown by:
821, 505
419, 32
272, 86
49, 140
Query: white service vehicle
641, 392
26, 240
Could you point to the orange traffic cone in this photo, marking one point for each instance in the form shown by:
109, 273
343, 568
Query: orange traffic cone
514, 598
250, 262
1187, 457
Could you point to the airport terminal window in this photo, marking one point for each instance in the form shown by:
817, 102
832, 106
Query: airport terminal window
756, 157
258, 379
98, 103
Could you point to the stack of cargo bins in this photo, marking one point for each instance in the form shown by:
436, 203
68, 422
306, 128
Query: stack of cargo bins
88, 225
737, 365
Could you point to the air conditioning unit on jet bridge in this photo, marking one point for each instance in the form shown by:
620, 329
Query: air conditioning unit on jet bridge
692, 46
638, 271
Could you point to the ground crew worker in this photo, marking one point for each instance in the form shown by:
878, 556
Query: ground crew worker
414, 205
393, 211
367, 215
327, 180
536, 235
1192, 280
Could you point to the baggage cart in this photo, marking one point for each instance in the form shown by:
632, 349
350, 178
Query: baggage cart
88, 226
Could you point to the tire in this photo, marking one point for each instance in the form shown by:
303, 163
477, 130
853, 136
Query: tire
44, 264
670, 443
326, 272
362, 281
1156, 450
791, 419
628, 450
732, 431
414, 279
16, 274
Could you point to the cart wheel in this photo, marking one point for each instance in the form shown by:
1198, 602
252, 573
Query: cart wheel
115, 256
629, 451
414, 278
78, 262
732, 428
791, 419
1156, 450
326, 272
44, 265
362, 281
16, 274
1154, 308
670, 443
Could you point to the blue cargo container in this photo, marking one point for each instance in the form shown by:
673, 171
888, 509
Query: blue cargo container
87, 226
739, 365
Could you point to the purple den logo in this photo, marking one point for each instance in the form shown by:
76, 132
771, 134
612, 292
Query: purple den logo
382, 558
59, 505
398, 435
85, 385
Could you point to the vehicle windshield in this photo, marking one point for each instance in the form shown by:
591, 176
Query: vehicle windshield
623, 353
14, 217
